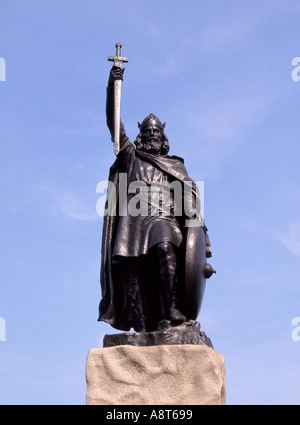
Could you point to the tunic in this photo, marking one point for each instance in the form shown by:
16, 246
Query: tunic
148, 215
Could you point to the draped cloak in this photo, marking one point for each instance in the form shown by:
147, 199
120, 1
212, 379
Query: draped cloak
112, 307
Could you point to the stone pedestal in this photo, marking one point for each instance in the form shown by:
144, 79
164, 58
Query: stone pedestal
184, 374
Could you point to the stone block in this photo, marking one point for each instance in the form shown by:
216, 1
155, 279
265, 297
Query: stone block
155, 375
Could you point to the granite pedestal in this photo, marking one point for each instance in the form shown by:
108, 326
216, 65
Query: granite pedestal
168, 374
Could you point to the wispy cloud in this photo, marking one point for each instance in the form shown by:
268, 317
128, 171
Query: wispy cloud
291, 240
217, 36
228, 30
217, 129
159, 70
72, 207
79, 121
59, 201
227, 120
169, 67
223, 125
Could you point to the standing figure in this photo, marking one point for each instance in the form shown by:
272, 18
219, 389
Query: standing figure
143, 242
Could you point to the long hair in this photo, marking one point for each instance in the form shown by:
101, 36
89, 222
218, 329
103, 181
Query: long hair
165, 145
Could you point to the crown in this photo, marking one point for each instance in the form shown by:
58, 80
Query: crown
151, 120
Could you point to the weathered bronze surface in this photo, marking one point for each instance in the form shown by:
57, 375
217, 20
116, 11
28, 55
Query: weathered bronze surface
154, 242
185, 333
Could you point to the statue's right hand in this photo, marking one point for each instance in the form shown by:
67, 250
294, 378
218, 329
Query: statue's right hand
116, 73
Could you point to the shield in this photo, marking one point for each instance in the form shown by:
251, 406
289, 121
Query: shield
195, 265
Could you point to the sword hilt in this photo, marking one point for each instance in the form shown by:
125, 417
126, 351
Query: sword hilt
118, 47
118, 59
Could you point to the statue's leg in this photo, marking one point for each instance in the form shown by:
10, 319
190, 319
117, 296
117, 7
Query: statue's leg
167, 266
134, 295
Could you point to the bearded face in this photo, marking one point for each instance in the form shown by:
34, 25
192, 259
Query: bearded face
152, 139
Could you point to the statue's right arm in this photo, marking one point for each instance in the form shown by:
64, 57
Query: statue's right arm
115, 73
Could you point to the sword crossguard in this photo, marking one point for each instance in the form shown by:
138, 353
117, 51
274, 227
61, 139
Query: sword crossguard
118, 59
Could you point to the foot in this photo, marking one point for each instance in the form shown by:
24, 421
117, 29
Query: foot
176, 316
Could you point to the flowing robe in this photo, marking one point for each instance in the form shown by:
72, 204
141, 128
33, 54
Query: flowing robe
126, 237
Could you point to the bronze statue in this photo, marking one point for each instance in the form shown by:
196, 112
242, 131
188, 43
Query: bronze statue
155, 243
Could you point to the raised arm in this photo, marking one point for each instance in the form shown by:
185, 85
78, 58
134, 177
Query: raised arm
116, 73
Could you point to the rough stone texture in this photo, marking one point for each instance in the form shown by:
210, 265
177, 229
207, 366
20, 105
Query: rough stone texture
165, 374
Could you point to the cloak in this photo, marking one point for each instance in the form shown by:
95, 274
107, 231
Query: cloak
113, 307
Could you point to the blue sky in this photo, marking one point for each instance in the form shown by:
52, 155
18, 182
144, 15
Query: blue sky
220, 74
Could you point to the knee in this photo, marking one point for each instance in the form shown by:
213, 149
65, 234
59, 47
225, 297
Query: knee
165, 249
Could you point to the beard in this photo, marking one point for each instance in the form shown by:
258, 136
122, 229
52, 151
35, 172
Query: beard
152, 145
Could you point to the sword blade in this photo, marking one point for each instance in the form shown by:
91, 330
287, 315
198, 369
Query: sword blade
118, 60
117, 114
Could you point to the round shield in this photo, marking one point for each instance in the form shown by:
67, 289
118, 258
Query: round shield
195, 263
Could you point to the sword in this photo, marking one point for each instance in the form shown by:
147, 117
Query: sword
118, 60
